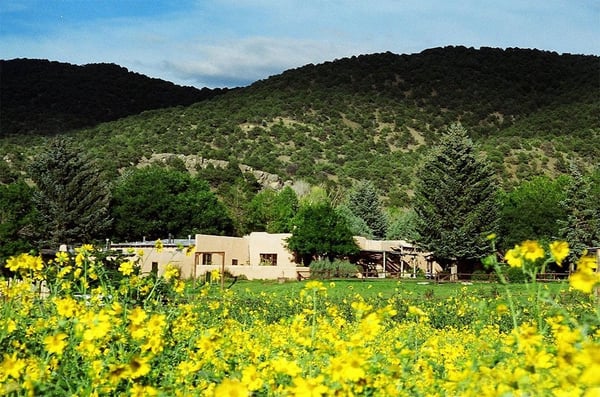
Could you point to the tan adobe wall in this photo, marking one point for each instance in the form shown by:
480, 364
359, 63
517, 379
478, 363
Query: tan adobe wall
224, 249
169, 255
265, 243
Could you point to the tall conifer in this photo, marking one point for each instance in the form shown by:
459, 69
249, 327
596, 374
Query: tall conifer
71, 198
455, 200
363, 201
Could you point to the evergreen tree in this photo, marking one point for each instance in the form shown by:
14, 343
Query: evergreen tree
455, 201
581, 229
363, 200
319, 232
357, 225
71, 198
16, 217
404, 226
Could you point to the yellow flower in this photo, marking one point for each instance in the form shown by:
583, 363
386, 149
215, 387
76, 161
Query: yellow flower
126, 268
137, 316
513, 257
559, 251
231, 388
309, 387
585, 278
179, 286
215, 275
24, 263
190, 250
532, 250
415, 311
491, 236
347, 367
12, 366
171, 272
62, 257
158, 244
65, 307
143, 391
138, 367
501, 309
55, 344
252, 378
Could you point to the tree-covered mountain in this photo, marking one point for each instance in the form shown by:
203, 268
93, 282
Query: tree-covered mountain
369, 117
43, 97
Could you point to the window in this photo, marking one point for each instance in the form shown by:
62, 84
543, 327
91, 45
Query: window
154, 268
234, 262
268, 259
207, 258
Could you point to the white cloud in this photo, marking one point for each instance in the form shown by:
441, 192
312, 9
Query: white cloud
226, 42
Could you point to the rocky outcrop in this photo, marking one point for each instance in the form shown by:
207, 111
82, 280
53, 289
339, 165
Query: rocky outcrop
193, 163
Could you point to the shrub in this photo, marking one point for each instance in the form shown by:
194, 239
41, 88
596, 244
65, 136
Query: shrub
324, 269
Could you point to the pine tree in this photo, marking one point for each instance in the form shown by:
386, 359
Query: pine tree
582, 226
455, 201
71, 198
363, 201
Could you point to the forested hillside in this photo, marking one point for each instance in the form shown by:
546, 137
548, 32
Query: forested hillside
43, 97
368, 117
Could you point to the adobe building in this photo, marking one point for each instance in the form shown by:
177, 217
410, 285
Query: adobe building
262, 255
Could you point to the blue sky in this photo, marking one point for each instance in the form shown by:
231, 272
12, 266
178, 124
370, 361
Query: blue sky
218, 43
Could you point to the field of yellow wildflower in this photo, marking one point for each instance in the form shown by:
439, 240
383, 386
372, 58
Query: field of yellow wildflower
104, 329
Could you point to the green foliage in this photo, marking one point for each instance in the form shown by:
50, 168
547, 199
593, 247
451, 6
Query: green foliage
516, 275
352, 119
71, 199
16, 220
532, 210
455, 200
39, 96
153, 202
363, 201
357, 225
318, 231
272, 211
404, 226
325, 269
581, 228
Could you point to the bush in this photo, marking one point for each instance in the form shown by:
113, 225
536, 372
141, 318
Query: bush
324, 269
515, 275
481, 275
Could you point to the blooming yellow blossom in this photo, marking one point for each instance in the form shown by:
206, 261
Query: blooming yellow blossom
171, 272
62, 257
584, 281
138, 367
12, 366
416, 311
532, 250
25, 263
55, 344
190, 250
231, 388
513, 257
559, 251
66, 307
143, 391
158, 244
126, 267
